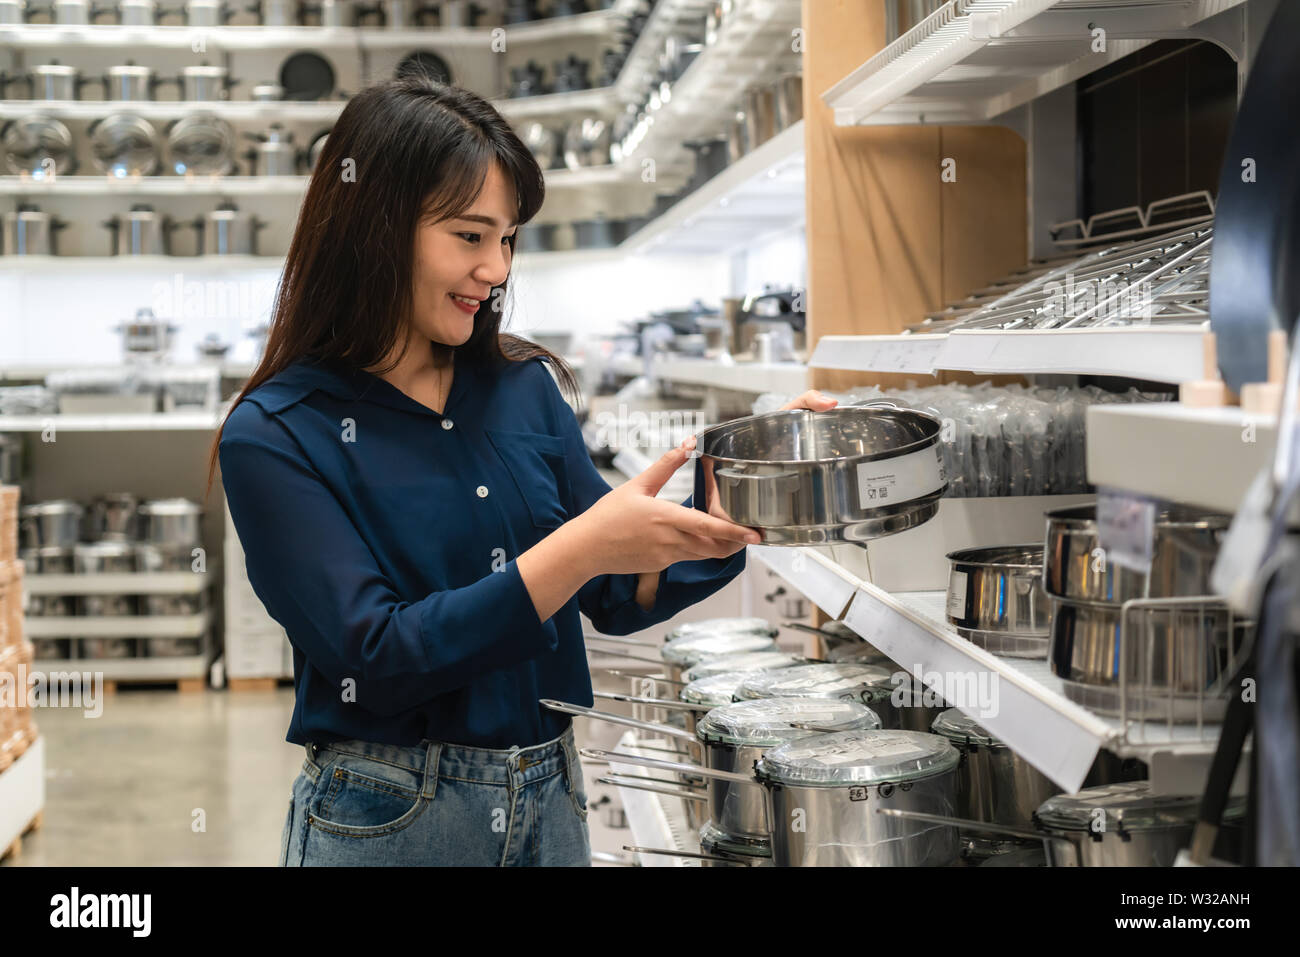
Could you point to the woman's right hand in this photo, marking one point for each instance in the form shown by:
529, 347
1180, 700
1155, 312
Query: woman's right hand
630, 531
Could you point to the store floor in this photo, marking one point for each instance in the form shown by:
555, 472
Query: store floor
127, 788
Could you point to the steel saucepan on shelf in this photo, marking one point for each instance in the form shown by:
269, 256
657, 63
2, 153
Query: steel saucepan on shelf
141, 231
113, 517
996, 599
732, 737
172, 522
808, 478
29, 231
892, 695
201, 144
124, 145
56, 523
692, 642
1162, 658
1185, 545
38, 146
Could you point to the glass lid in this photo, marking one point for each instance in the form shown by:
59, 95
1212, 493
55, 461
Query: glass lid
692, 649
858, 757
767, 722
713, 690
962, 729
847, 680
746, 661
1130, 803
720, 626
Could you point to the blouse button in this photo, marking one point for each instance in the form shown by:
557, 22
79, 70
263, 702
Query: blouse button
482, 491
446, 423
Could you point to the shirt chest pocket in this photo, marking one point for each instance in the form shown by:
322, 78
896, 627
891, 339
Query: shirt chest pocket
536, 463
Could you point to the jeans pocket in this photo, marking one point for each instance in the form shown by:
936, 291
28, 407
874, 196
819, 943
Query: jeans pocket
286, 833
355, 803
577, 788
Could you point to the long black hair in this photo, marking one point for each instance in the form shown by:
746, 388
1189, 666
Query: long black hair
403, 152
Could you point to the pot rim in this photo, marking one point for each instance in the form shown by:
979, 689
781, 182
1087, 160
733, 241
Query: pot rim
919, 445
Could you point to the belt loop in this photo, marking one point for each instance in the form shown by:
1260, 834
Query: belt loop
311, 751
570, 756
432, 753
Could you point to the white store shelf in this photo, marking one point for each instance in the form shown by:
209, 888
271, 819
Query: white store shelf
972, 61
751, 377
1159, 353
22, 792
124, 583
278, 111
641, 66
1201, 457
144, 422
129, 669
601, 99
655, 820
118, 626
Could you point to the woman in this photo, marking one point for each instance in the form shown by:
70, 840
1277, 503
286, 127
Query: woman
418, 510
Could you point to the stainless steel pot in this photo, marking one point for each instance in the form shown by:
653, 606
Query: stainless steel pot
103, 558
745, 662
275, 153
788, 93
996, 599
164, 558
716, 844
130, 82
267, 93
113, 517
201, 144
12, 11
30, 232
737, 137
171, 521
146, 335
732, 737
803, 477
38, 146
72, 12
276, 13
173, 647
688, 644
142, 231
228, 232
867, 684
1185, 545
49, 560
1167, 659
54, 523
206, 13
137, 13
55, 81
587, 142
325, 13
542, 142
206, 83
760, 115
124, 145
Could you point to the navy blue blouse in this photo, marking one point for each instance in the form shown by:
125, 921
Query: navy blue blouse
383, 537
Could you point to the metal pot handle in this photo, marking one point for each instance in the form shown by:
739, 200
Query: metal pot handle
625, 781
621, 757
966, 823
578, 709
666, 703
691, 854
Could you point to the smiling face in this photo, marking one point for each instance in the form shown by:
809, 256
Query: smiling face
459, 261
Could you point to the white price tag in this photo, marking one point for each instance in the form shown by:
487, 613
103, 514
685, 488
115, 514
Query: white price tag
1126, 529
957, 594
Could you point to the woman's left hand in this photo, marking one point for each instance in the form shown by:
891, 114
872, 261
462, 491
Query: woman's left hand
812, 399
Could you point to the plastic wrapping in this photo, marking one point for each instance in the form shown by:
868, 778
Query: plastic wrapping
858, 757
714, 690
1129, 803
1001, 440
847, 681
768, 722
962, 729
746, 661
722, 626
691, 650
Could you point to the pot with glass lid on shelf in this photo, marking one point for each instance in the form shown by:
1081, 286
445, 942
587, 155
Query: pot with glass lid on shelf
30, 231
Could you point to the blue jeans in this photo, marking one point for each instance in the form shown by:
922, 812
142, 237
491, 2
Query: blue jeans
360, 804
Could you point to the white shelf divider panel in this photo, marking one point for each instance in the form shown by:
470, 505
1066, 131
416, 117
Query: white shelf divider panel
1201, 457
751, 377
972, 60
130, 669
122, 583
1165, 353
655, 820
22, 792
119, 626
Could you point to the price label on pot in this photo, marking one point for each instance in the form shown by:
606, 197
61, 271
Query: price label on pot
899, 479
1126, 529
957, 594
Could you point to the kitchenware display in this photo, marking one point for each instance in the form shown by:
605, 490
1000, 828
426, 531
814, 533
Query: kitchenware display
848, 681
1167, 659
803, 477
227, 232
103, 558
49, 560
146, 336
137, 13
861, 653
94, 648
142, 231
130, 82
597, 233
681, 654
267, 93
679, 51
53, 81
317, 147
56, 523
201, 144
325, 13
996, 599
164, 558
204, 82
38, 146
30, 232
212, 348
275, 13
192, 388
173, 647
171, 521
586, 143
526, 80
760, 115
306, 76
112, 518
542, 142
113, 605
744, 662
571, 74
713, 690
1184, 546
72, 12
275, 155
788, 94
717, 843
50, 649
719, 626
423, 63
207, 13
124, 145
458, 13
